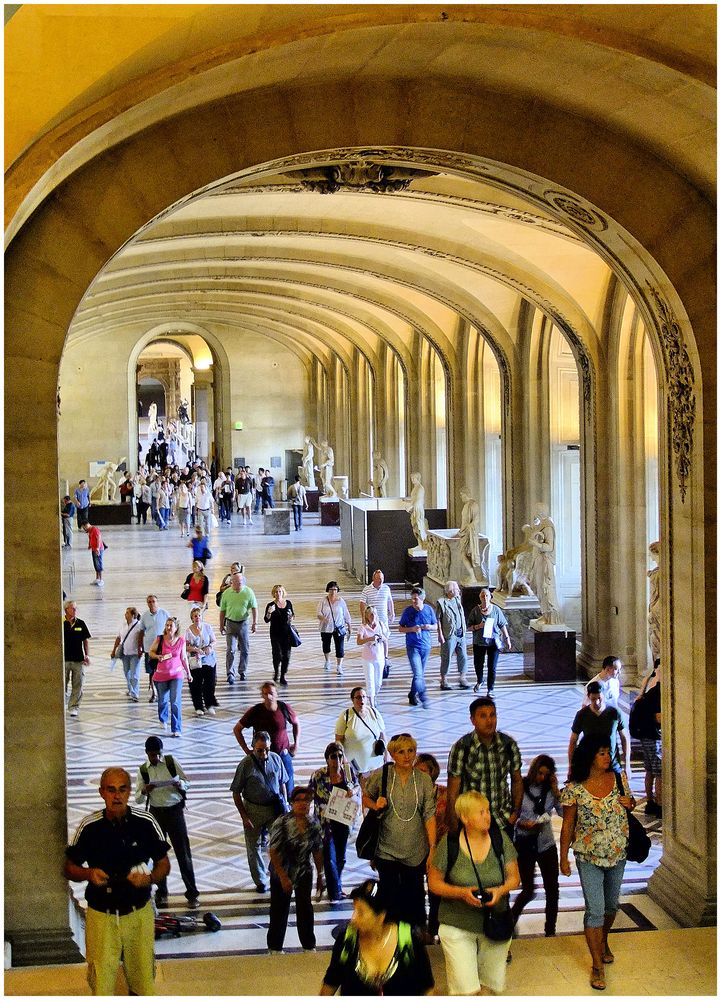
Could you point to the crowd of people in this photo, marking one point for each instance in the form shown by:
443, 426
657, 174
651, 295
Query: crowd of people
447, 859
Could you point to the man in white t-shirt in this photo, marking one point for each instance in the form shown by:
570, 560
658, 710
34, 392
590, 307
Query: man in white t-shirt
609, 678
378, 595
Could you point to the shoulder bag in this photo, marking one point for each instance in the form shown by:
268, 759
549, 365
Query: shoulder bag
639, 842
497, 924
366, 843
379, 747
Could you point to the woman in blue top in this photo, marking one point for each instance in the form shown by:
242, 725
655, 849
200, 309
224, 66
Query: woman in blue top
489, 627
417, 623
534, 838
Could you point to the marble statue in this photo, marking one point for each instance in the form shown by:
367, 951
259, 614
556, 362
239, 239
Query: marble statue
106, 483
417, 510
380, 475
152, 420
468, 533
184, 411
325, 467
539, 566
654, 603
306, 472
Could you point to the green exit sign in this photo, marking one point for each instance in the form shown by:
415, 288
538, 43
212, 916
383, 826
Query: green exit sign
238, 425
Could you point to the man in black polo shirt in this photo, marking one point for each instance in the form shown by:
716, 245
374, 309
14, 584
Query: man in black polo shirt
75, 644
110, 851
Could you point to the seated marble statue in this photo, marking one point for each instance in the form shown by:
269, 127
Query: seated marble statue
417, 509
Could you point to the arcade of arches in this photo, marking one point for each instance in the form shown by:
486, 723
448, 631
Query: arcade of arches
478, 239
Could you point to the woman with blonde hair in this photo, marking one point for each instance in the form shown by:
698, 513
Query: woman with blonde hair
408, 829
474, 871
371, 639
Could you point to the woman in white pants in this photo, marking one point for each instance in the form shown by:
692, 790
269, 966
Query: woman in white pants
371, 638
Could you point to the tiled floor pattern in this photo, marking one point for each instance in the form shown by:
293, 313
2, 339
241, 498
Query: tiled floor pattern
110, 729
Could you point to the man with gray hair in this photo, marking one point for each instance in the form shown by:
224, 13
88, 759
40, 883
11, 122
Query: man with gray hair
452, 634
237, 605
259, 794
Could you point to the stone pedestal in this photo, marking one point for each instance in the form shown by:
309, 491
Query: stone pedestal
111, 513
446, 559
312, 496
329, 513
519, 611
549, 657
276, 521
416, 569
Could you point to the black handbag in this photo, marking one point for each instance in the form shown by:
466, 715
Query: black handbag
497, 924
295, 639
639, 842
366, 843
379, 747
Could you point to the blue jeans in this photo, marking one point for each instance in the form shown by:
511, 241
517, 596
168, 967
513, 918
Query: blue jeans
131, 669
163, 517
258, 499
169, 695
601, 889
335, 838
297, 516
418, 659
290, 773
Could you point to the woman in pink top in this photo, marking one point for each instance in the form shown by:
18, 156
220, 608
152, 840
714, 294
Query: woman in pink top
371, 639
169, 651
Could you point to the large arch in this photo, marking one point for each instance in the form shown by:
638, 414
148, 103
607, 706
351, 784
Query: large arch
60, 248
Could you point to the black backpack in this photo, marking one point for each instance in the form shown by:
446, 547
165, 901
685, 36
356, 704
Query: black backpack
170, 764
639, 718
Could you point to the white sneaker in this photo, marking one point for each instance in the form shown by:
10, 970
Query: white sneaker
199, 711
211, 711
326, 665
339, 671
176, 735
73, 712
100, 583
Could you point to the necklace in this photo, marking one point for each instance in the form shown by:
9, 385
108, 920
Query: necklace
403, 819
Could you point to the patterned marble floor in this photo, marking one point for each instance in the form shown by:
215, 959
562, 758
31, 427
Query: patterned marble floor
110, 730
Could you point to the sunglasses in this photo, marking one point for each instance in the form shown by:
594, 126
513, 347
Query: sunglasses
336, 753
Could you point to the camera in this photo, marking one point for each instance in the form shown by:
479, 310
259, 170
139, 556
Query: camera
483, 895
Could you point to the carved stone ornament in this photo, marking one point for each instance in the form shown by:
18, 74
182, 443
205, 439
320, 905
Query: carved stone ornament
358, 175
575, 209
681, 396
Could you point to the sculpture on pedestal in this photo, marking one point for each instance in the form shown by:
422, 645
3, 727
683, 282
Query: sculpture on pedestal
325, 467
380, 475
308, 462
417, 510
539, 566
152, 420
654, 603
106, 483
184, 411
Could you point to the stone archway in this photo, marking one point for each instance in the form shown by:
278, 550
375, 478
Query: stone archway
57, 253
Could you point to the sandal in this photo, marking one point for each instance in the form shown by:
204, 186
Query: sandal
598, 978
608, 956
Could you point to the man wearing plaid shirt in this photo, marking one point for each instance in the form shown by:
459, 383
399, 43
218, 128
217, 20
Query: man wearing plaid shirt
483, 761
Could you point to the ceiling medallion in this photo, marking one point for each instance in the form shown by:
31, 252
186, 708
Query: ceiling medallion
357, 175
576, 210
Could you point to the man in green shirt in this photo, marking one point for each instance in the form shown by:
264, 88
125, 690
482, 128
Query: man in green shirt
237, 605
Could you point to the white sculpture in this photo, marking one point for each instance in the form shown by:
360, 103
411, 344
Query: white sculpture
306, 472
468, 533
381, 474
152, 420
417, 510
325, 467
654, 603
540, 567
106, 483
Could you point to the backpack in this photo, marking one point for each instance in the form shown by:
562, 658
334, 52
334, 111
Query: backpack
170, 764
454, 846
641, 719
405, 945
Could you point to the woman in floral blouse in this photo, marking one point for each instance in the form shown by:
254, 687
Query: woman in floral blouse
338, 773
595, 824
